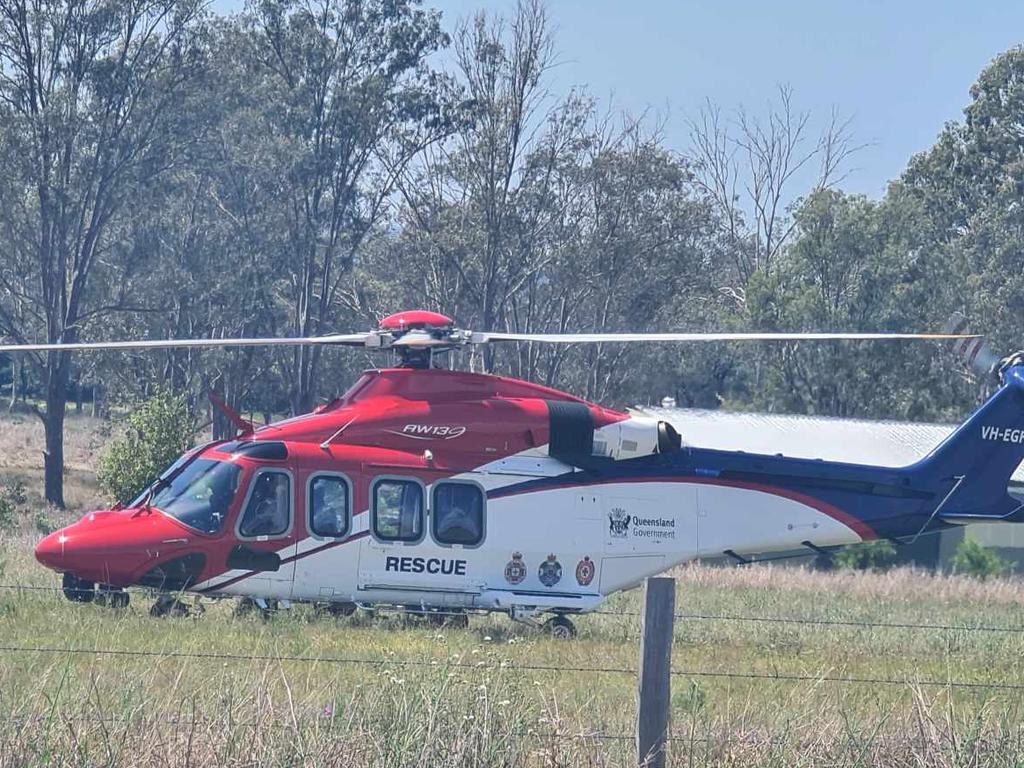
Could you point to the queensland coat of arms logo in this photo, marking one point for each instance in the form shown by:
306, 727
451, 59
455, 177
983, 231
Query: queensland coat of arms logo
550, 571
618, 523
585, 571
515, 571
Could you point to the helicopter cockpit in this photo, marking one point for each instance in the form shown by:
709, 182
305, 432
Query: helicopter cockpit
198, 495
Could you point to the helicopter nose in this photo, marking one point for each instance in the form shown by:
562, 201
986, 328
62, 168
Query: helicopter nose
50, 551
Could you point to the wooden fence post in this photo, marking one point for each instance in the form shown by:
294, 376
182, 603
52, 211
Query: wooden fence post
655, 684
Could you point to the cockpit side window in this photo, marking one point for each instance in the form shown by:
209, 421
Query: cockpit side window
268, 509
328, 505
397, 509
200, 495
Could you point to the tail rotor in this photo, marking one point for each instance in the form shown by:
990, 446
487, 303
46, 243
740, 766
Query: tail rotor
974, 351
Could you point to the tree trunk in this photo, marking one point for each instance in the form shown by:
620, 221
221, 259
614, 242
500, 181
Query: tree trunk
57, 372
14, 383
222, 427
53, 456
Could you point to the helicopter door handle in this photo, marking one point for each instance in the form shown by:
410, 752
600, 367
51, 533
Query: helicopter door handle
248, 559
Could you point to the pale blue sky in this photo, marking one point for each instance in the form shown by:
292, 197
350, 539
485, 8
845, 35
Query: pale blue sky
900, 68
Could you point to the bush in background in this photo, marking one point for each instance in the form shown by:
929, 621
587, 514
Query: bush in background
12, 499
8, 518
879, 555
975, 559
157, 433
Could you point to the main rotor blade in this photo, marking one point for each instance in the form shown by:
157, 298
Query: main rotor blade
351, 339
592, 338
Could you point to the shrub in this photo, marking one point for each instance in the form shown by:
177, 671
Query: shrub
975, 559
43, 525
876, 555
8, 518
12, 497
157, 433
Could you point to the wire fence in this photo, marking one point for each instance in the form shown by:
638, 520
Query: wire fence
328, 721
541, 736
798, 620
810, 620
507, 666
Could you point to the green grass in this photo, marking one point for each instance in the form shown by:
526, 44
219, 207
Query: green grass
429, 696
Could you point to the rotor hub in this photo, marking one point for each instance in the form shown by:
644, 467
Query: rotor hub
416, 335
415, 319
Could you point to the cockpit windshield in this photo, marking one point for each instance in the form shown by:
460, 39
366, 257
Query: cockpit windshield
200, 494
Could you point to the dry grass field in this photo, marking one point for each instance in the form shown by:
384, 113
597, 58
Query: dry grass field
852, 677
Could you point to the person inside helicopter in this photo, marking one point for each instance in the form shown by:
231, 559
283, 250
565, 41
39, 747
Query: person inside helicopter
266, 513
199, 495
329, 500
458, 514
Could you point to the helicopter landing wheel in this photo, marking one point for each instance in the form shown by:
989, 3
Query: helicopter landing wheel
560, 628
248, 606
112, 597
166, 605
77, 590
341, 609
452, 619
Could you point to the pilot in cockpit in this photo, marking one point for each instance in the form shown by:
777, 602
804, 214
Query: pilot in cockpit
267, 511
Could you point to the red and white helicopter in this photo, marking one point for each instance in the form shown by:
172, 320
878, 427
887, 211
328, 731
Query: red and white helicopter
449, 492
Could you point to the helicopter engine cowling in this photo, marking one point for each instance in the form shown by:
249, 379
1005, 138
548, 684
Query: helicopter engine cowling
633, 437
574, 438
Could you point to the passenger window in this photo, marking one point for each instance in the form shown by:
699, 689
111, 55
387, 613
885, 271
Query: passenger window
328, 506
269, 509
458, 514
398, 510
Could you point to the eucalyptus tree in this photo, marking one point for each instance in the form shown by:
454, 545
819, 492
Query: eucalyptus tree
207, 246
753, 167
461, 201
89, 114
349, 97
968, 187
628, 252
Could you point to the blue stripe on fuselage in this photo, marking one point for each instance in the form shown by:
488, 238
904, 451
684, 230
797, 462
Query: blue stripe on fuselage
967, 475
883, 499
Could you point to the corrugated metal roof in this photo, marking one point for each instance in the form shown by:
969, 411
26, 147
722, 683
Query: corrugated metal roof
881, 443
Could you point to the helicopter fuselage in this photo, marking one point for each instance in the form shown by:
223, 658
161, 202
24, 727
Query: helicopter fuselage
468, 491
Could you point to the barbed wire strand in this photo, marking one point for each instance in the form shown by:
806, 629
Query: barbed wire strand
805, 620
802, 620
325, 722
458, 664
314, 722
280, 658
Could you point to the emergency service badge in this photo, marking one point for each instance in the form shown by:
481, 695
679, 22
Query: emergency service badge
618, 523
550, 572
585, 571
515, 571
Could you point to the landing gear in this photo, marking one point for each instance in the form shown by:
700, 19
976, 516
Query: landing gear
112, 597
341, 610
166, 605
452, 619
244, 607
267, 607
78, 590
560, 628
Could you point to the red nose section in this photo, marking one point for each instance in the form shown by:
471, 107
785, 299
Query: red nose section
111, 546
50, 551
